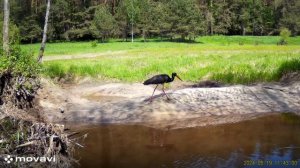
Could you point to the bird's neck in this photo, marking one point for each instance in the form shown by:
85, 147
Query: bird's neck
173, 77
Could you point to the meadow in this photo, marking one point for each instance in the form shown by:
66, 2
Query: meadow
227, 59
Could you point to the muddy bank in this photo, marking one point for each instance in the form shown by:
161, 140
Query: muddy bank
127, 103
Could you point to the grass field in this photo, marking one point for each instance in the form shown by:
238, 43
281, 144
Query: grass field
228, 59
205, 42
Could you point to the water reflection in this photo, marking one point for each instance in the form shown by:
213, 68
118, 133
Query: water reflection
245, 144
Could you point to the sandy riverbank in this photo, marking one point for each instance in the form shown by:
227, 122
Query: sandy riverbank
94, 103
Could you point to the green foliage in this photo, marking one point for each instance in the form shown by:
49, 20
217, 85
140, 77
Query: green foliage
146, 17
127, 17
94, 43
219, 17
77, 34
103, 24
185, 19
289, 15
19, 72
61, 20
202, 43
30, 31
55, 70
19, 63
78, 26
14, 33
284, 34
289, 66
218, 58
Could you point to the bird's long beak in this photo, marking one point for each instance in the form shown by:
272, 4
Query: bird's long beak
178, 77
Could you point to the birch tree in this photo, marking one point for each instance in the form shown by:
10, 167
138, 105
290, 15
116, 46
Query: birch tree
43, 45
6, 26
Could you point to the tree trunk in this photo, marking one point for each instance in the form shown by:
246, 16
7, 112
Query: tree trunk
132, 32
42, 49
113, 8
144, 35
211, 24
6, 27
132, 22
253, 20
212, 18
243, 29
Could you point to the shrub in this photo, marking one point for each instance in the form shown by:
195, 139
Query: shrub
19, 77
94, 43
14, 33
19, 63
284, 34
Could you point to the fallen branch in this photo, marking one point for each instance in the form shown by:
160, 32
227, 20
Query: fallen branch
75, 133
39, 139
79, 145
26, 144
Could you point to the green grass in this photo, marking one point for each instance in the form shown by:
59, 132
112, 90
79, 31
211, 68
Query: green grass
220, 58
203, 43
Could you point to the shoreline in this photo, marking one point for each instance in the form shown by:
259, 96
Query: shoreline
121, 103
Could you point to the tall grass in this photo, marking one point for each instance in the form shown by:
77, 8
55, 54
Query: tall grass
228, 59
237, 68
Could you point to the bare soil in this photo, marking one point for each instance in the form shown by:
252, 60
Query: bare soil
189, 106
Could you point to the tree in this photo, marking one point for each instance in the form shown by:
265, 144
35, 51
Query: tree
223, 17
160, 27
132, 13
103, 24
184, 18
146, 16
14, 32
218, 16
290, 19
42, 49
6, 27
242, 16
127, 17
72, 19
30, 30
61, 21
256, 17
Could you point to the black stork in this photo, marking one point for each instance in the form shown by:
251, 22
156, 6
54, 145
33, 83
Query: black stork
160, 79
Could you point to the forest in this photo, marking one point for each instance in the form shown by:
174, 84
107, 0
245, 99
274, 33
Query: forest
92, 83
80, 20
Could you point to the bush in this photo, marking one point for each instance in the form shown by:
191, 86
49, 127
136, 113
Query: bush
94, 43
19, 80
284, 34
19, 63
14, 33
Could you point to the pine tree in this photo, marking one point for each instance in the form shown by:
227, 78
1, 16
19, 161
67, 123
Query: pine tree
103, 24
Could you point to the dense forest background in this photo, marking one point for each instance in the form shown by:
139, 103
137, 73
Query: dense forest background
166, 19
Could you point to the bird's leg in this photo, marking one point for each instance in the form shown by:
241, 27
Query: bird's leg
163, 88
153, 93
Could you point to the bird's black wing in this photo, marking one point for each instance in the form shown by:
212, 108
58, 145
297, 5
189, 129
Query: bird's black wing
157, 79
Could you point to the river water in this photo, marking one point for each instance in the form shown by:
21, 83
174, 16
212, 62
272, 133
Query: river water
270, 141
